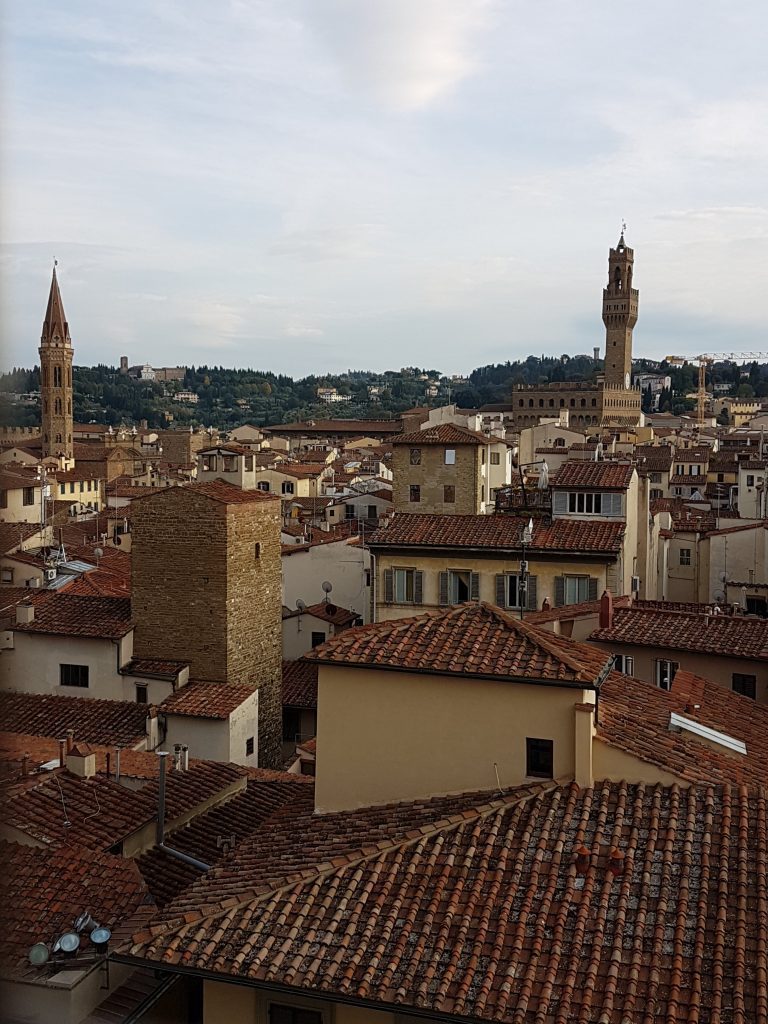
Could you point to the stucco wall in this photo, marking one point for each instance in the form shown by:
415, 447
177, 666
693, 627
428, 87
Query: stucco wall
398, 736
32, 666
343, 565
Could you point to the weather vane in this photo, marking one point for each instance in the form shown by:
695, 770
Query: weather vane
623, 226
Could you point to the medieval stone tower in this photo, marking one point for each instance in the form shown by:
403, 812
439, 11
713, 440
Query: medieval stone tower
56, 377
619, 316
206, 590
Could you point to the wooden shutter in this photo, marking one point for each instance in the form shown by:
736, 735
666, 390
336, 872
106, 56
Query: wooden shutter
532, 593
443, 598
592, 588
612, 579
560, 502
389, 586
418, 587
611, 504
474, 586
501, 590
559, 591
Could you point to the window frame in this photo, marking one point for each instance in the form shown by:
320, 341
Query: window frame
536, 749
414, 494
408, 577
28, 496
670, 668
139, 688
318, 637
745, 684
685, 558
79, 680
449, 494
577, 580
449, 456
250, 746
415, 456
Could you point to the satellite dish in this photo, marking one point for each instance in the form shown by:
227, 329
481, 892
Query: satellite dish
301, 605
719, 596
39, 954
100, 939
327, 587
98, 552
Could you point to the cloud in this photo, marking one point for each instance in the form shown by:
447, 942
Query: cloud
406, 54
299, 331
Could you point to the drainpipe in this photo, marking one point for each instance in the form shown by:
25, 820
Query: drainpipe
160, 833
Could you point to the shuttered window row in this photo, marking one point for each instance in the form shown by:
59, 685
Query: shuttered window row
598, 503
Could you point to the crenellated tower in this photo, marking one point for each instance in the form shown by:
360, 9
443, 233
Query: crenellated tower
620, 301
56, 377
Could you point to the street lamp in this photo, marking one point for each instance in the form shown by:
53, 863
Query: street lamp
527, 539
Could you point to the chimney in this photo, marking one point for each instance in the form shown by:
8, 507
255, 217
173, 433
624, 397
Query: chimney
160, 833
546, 605
185, 758
25, 613
177, 756
117, 763
584, 732
606, 610
70, 740
582, 859
24, 765
153, 737
81, 762
62, 752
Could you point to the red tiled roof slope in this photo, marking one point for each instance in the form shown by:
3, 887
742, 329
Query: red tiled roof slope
44, 891
118, 722
207, 700
300, 684
469, 640
66, 614
497, 917
443, 433
498, 531
733, 636
328, 612
609, 476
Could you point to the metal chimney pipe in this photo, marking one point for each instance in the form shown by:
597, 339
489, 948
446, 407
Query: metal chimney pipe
117, 763
160, 834
177, 756
185, 758
62, 753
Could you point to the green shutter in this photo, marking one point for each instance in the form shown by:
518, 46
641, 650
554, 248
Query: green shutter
501, 590
559, 591
592, 588
474, 586
532, 593
389, 586
443, 598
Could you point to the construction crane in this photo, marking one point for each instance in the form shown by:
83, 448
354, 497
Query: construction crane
705, 360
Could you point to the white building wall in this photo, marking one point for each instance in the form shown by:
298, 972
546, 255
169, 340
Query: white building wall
345, 566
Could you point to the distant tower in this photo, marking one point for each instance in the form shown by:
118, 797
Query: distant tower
619, 316
596, 353
56, 377
123, 364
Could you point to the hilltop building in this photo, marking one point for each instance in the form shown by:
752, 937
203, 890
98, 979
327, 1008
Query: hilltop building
611, 401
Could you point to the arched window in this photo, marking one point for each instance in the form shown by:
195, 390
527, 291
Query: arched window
562, 403
551, 403
583, 403
541, 403
58, 439
573, 403
57, 406
69, 407
522, 403
594, 402
617, 279
530, 403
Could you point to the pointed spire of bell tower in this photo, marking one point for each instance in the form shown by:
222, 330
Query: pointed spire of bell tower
55, 326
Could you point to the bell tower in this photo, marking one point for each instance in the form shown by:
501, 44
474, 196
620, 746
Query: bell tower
620, 301
56, 377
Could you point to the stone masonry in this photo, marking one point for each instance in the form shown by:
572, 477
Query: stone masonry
206, 589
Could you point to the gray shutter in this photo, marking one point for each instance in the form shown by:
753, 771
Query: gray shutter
474, 586
612, 504
532, 594
613, 579
389, 586
592, 588
560, 502
443, 598
501, 590
418, 587
559, 591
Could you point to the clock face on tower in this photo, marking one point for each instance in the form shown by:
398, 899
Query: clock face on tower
626, 381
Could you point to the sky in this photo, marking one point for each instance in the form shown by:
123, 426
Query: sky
306, 186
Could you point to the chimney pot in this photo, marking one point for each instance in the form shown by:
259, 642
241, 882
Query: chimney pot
25, 765
25, 613
582, 859
616, 862
62, 752
606, 610
70, 740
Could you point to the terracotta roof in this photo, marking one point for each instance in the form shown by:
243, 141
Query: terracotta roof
604, 476
13, 534
635, 717
153, 668
327, 612
498, 531
443, 433
688, 480
65, 614
226, 493
202, 782
361, 428
211, 836
469, 640
45, 890
118, 722
207, 700
13, 477
731, 636
573, 611
300, 684
654, 458
617, 903
110, 578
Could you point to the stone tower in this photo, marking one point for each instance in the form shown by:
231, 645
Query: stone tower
206, 590
56, 377
619, 316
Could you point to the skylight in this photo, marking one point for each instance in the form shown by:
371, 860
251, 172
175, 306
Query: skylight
677, 723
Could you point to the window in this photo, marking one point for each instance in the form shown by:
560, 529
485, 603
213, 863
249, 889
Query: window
291, 725
82, 486
414, 493
403, 586
210, 463
263, 485
585, 504
57, 376
230, 463
280, 1014
257, 549
456, 586
576, 589
318, 638
655, 478
656, 492
29, 496
539, 758
73, 675
248, 463
624, 663
720, 477
750, 480
6, 575
685, 556
372, 512
415, 456
449, 494
450, 456
249, 746
508, 590
62, 488
349, 511
665, 673
495, 458
142, 693
744, 684
287, 487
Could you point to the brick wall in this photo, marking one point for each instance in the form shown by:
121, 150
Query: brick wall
200, 593
432, 476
